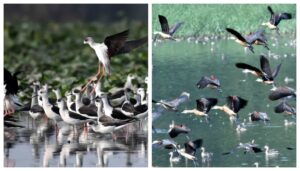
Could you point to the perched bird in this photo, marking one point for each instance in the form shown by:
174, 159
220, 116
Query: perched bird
11, 100
175, 130
258, 116
211, 82
203, 106
284, 107
257, 38
265, 74
233, 106
166, 31
275, 19
282, 93
113, 45
173, 104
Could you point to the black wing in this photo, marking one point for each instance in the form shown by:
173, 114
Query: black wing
175, 27
116, 42
77, 116
276, 71
164, 24
192, 146
119, 115
265, 66
130, 45
249, 67
37, 108
88, 111
236, 34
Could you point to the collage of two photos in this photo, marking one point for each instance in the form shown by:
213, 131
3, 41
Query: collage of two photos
77, 85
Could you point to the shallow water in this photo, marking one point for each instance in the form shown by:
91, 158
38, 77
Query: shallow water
38, 145
178, 66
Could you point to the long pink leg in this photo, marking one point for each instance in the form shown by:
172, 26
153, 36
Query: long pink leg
98, 73
102, 75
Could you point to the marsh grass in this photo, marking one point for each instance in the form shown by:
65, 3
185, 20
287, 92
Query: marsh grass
54, 53
206, 19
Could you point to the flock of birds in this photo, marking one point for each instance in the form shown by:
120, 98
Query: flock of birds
234, 104
85, 107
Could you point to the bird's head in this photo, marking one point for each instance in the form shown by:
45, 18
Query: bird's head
88, 40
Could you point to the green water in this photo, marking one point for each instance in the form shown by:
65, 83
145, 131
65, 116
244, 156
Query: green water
178, 66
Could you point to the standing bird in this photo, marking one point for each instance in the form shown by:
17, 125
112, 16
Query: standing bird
275, 19
233, 106
266, 75
257, 38
11, 100
166, 31
211, 82
112, 46
203, 106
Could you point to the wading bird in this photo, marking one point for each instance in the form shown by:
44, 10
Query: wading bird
113, 45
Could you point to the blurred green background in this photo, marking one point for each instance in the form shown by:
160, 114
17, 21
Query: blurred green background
206, 19
45, 42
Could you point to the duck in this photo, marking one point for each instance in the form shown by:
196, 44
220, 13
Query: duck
270, 152
276, 18
203, 106
175, 130
166, 31
173, 104
265, 74
282, 93
190, 148
233, 106
257, 38
165, 143
210, 82
284, 107
259, 116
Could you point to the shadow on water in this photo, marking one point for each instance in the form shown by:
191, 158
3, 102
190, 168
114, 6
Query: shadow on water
37, 144
178, 66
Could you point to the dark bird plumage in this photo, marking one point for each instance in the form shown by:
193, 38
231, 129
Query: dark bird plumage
211, 82
282, 93
235, 103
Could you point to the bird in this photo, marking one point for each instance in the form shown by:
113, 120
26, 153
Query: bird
246, 147
203, 106
247, 41
106, 124
190, 148
270, 152
284, 107
174, 157
275, 19
166, 31
211, 82
206, 156
233, 106
258, 116
11, 100
173, 104
69, 117
241, 128
35, 109
175, 130
113, 45
282, 93
265, 73
165, 143
287, 123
